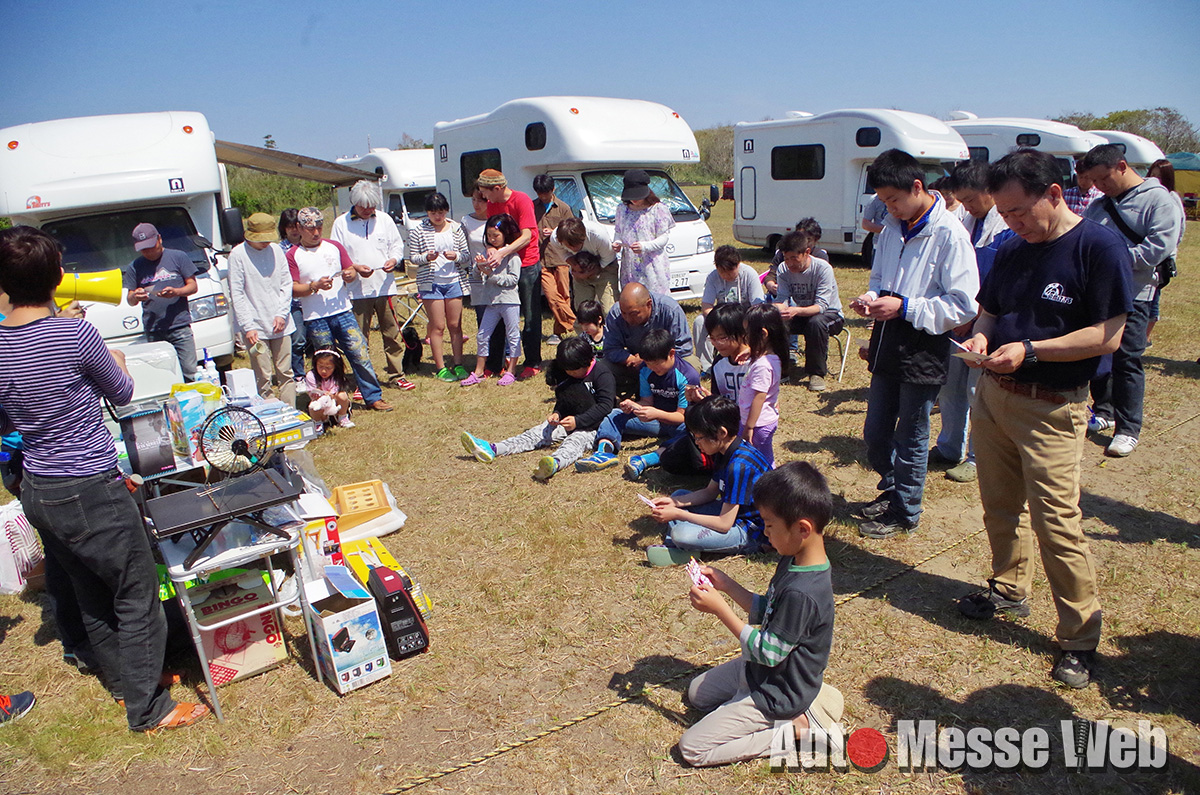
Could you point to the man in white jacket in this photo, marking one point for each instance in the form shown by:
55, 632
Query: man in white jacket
376, 248
923, 284
260, 289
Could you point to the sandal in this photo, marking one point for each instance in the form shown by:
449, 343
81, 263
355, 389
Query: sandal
184, 714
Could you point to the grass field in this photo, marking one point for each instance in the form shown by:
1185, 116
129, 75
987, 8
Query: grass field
545, 611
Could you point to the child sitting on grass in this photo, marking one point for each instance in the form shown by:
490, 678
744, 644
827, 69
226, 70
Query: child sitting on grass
584, 391
658, 411
590, 317
721, 517
779, 676
328, 394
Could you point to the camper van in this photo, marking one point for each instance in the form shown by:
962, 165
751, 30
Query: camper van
1140, 152
586, 144
406, 179
90, 181
991, 139
816, 166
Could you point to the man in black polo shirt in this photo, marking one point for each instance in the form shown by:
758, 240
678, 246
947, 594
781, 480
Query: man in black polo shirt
1053, 303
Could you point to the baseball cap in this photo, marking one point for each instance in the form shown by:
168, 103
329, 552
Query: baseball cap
637, 185
145, 236
260, 228
310, 216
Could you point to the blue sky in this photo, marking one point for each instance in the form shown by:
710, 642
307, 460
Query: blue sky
320, 77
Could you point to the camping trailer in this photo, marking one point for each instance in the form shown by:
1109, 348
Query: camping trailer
406, 179
991, 139
1139, 152
807, 165
89, 181
586, 144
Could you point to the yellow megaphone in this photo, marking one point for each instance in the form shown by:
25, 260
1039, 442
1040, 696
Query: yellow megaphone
101, 286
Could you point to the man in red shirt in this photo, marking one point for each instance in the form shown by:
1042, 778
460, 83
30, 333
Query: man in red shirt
503, 199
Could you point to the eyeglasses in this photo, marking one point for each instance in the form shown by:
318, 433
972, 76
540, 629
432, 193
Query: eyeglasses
715, 340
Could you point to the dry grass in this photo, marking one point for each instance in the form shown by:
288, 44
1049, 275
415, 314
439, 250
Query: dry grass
544, 610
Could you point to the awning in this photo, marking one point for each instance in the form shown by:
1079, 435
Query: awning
273, 161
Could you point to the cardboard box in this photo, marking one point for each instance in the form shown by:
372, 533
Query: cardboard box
242, 648
351, 649
364, 554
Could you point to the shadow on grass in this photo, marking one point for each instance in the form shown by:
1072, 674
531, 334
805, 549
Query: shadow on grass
1155, 673
832, 401
846, 450
1020, 707
1134, 525
1187, 368
657, 669
7, 623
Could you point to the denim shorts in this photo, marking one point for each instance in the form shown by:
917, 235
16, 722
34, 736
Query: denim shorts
442, 292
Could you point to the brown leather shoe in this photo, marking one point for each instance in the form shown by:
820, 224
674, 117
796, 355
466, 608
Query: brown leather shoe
380, 405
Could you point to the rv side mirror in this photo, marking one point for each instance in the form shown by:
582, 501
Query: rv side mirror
705, 209
232, 231
714, 194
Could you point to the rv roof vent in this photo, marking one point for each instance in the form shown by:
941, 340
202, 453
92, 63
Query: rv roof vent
797, 114
962, 115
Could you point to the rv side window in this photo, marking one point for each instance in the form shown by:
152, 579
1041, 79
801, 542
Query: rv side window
1028, 139
979, 153
806, 161
567, 189
535, 136
471, 163
868, 136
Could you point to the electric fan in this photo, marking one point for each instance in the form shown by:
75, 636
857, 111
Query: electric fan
234, 441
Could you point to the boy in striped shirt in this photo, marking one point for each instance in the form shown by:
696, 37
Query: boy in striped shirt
778, 679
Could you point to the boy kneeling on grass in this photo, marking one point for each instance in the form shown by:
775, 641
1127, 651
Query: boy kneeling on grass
779, 675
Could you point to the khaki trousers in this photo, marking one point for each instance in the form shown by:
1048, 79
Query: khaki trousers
1027, 453
556, 288
272, 366
601, 288
380, 308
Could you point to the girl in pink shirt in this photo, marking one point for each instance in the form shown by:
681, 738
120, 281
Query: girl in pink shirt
758, 398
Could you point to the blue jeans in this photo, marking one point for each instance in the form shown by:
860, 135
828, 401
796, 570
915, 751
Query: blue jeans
184, 343
683, 534
955, 399
529, 288
897, 435
1121, 395
343, 329
299, 342
95, 531
618, 424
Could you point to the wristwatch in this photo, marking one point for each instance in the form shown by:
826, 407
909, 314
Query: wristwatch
1030, 356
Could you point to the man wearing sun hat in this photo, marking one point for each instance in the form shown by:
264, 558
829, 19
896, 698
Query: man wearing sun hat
260, 290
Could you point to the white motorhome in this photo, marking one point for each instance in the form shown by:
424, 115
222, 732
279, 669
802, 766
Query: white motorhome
991, 139
406, 177
816, 166
586, 144
90, 181
1140, 152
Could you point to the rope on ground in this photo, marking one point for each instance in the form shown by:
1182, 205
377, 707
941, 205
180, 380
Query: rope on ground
1165, 431
648, 688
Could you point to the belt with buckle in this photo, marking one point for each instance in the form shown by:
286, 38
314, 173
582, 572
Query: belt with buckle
1059, 397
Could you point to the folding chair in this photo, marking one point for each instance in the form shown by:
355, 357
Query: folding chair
843, 347
405, 303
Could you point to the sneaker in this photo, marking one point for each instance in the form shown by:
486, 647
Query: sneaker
816, 383
460, 372
529, 372
445, 374
545, 469
483, 451
876, 507
597, 461
301, 386
1121, 445
508, 379
1074, 668
380, 405
357, 396
13, 707
984, 605
635, 467
344, 421
886, 526
963, 473
471, 380
400, 382
1098, 423
553, 339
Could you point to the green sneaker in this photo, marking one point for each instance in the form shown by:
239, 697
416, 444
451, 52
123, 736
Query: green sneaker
546, 468
446, 374
460, 372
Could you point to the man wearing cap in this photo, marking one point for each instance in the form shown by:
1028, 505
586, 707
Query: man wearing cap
503, 199
374, 244
160, 280
260, 290
321, 270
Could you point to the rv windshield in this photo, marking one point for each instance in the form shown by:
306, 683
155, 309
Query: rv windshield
104, 242
604, 189
414, 203
933, 172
